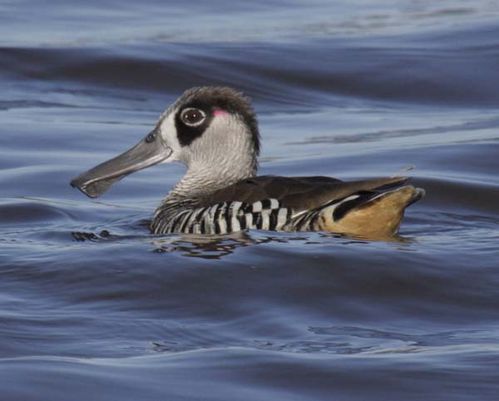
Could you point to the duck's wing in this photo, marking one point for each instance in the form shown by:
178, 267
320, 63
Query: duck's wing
301, 193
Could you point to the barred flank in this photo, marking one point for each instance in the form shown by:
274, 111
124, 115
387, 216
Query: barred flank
224, 218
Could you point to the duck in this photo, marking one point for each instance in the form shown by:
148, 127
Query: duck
214, 132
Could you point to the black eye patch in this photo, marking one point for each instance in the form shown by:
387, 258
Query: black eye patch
190, 123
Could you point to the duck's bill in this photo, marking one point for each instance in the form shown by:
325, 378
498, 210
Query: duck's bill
97, 180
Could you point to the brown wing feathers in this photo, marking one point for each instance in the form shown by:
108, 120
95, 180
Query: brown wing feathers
300, 193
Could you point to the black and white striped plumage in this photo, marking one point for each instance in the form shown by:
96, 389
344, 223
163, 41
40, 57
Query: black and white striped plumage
214, 132
222, 218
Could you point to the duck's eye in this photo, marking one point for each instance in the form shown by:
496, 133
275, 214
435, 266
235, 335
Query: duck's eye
192, 117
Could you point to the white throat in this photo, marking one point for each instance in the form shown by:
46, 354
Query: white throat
222, 156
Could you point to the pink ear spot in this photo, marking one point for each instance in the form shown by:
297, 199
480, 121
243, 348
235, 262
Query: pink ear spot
219, 112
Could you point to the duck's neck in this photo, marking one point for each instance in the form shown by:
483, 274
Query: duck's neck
200, 181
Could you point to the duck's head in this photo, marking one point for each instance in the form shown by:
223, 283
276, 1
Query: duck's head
212, 130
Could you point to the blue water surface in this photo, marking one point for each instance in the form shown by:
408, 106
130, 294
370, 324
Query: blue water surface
94, 307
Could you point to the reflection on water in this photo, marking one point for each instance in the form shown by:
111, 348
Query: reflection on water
207, 248
218, 246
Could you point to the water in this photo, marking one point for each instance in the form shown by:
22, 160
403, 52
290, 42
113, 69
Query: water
93, 307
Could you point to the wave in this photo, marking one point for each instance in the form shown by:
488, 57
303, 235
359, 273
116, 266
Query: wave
303, 73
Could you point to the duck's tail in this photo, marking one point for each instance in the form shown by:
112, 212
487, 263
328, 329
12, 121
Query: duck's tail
369, 214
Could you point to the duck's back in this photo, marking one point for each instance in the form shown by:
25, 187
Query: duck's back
299, 193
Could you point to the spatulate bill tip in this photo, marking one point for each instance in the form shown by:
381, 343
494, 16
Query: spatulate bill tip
92, 190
